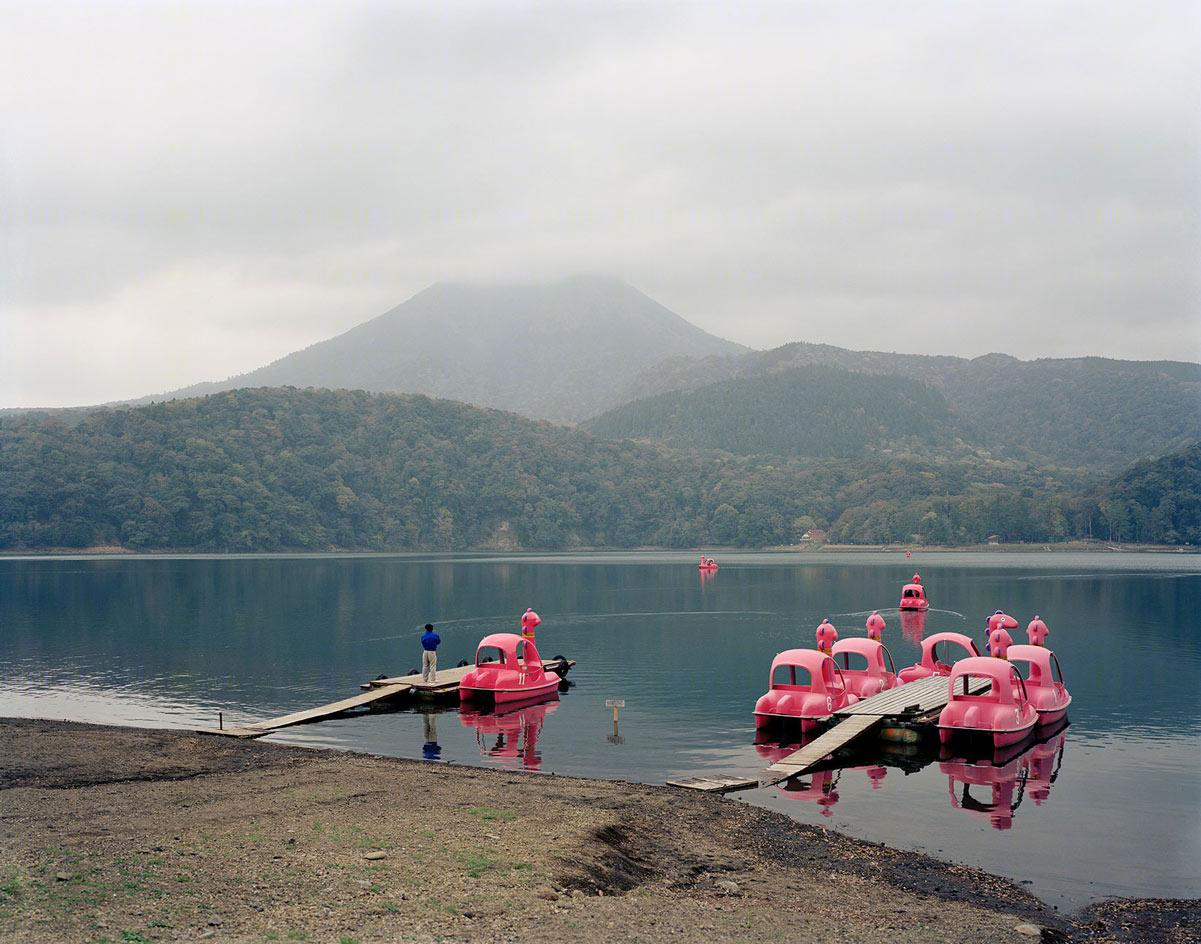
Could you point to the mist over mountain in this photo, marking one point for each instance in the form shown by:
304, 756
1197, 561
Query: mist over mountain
1080, 412
560, 351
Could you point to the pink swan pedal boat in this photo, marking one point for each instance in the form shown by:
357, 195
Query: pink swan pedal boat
1044, 682
932, 663
913, 595
707, 565
507, 668
873, 670
804, 686
1002, 712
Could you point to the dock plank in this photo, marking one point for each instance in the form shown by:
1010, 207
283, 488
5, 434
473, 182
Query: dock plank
714, 784
819, 748
259, 728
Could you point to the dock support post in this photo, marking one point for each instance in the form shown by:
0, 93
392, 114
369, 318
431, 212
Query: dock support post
220, 721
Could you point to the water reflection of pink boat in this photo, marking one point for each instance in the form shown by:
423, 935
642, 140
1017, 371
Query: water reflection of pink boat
507, 668
806, 687
819, 789
993, 788
913, 595
1002, 711
936, 661
1004, 785
1044, 682
866, 666
511, 735
913, 624
1042, 762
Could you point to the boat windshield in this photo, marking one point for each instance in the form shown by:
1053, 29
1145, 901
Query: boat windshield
791, 676
489, 654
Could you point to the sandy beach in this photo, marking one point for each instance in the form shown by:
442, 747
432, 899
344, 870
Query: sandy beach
119, 834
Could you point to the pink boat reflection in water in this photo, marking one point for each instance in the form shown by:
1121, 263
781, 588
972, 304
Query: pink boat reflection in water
913, 625
992, 789
818, 787
511, 735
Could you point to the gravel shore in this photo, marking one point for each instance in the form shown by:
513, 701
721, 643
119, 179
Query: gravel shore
119, 834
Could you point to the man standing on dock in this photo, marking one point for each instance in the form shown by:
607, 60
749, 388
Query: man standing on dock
429, 653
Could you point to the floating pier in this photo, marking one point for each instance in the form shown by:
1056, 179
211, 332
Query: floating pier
444, 685
912, 703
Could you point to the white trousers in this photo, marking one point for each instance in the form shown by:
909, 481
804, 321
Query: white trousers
429, 665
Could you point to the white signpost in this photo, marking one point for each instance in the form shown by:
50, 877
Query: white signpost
616, 704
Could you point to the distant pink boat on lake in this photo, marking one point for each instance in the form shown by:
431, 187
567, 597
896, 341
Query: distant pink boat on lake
913, 595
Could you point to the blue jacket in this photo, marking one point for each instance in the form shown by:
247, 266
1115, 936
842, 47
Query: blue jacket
430, 640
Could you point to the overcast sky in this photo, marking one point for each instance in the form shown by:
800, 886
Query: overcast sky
190, 190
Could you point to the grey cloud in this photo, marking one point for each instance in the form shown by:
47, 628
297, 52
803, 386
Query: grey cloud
774, 171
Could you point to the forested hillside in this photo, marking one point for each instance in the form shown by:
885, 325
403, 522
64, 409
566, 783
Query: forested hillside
1086, 412
1157, 501
815, 411
277, 469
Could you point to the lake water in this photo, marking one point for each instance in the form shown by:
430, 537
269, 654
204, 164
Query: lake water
1111, 807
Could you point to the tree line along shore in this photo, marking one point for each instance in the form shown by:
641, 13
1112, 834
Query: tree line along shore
310, 470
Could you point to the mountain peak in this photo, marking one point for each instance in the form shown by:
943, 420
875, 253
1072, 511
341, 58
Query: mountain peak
561, 350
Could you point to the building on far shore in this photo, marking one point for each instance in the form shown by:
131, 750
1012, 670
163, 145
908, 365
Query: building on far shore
813, 536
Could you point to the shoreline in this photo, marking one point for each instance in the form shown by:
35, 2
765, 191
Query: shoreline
145, 834
1062, 547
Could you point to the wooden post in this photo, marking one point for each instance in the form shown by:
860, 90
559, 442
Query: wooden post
220, 721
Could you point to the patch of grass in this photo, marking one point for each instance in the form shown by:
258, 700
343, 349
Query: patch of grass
12, 886
135, 937
478, 864
347, 939
270, 936
298, 936
489, 814
391, 907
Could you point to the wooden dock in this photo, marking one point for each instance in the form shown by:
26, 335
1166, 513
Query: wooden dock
259, 728
445, 684
915, 702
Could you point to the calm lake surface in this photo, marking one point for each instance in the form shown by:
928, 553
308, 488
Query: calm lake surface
1111, 807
